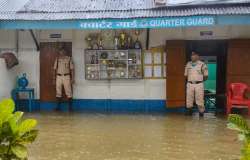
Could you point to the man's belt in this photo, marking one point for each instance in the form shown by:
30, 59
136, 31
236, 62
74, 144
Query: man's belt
195, 82
63, 74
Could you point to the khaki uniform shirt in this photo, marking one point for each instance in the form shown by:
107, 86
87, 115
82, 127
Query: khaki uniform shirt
63, 65
196, 72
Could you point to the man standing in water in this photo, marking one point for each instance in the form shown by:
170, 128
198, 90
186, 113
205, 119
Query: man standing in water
196, 73
64, 74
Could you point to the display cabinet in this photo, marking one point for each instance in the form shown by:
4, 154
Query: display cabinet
113, 64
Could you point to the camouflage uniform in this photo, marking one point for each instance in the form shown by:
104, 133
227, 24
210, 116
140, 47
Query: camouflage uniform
195, 73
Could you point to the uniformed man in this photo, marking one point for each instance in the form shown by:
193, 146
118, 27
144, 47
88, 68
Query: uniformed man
196, 73
64, 76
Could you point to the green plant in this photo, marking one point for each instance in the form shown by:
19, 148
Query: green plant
239, 124
15, 133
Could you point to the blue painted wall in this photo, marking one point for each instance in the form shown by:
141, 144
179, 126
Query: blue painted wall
105, 105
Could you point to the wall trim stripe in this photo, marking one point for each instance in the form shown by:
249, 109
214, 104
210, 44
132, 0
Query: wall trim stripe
158, 22
108, 106
104, 105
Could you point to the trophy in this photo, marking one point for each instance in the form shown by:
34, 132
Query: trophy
137, 33
130, 43
123, 40
89, 39
116, 42
95, 40
109, 73
134, 59
122, 74
100, 43
92, 61
137, 44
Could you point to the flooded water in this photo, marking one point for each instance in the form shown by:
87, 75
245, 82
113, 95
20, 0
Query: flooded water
132, 137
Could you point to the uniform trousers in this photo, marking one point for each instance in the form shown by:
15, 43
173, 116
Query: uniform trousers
63, 81
195, 93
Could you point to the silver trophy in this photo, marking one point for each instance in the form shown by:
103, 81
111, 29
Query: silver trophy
116, 42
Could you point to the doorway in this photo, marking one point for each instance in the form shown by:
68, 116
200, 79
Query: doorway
214, 54
48, 54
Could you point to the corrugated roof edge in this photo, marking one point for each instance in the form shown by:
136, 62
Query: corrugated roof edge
153, 9
77, 16
206, 3
228, 9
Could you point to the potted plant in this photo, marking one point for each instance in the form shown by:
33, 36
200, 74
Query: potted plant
239, 124
15, 133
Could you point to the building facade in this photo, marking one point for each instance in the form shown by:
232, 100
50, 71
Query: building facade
186, 24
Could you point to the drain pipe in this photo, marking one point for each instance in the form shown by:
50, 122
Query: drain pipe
34, 39
147, 38
17, 42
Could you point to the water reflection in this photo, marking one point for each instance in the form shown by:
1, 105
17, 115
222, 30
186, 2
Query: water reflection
132, 137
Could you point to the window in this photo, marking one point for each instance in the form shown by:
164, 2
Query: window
155, 63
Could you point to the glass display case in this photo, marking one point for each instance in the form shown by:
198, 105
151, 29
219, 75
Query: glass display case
113, 64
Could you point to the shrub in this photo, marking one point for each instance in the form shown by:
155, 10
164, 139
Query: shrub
15, 133
238, 123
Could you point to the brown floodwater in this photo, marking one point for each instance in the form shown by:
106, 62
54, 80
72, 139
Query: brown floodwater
78, 136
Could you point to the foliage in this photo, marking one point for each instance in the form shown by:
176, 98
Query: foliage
239, 124
15, 133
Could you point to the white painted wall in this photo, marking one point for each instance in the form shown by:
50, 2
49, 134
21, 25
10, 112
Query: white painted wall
7, 77
28, 58
119, 89
7, 80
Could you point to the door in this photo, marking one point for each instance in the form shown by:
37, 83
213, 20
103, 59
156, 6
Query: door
238, 61
215, 53
48, 54
176, 59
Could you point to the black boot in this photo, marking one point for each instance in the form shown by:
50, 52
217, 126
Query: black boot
70, 101
189, 111
201, 114
59, 100
201, 111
